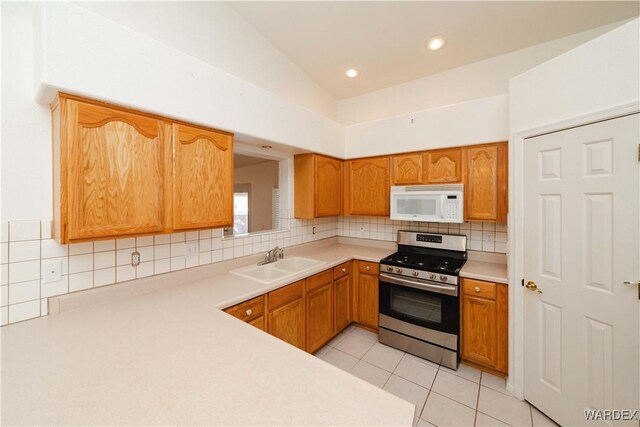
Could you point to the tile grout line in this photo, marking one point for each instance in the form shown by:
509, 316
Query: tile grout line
475, 416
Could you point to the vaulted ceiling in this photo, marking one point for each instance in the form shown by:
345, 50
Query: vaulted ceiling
385, 41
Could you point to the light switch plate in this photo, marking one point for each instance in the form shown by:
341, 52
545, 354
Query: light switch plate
52, 271
192, 248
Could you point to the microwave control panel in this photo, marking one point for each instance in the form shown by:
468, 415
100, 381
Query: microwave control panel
451, 207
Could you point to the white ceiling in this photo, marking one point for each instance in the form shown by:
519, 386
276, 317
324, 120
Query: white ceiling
241, 160
385, 40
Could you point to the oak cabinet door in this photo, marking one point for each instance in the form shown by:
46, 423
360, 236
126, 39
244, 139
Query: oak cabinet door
203, 178
115, 172
481, 192
444, 166
368, 300
366, 188
328, 185
287, 323
479, 325
485, 324
407, 169
342, 302
319, 309
286, 314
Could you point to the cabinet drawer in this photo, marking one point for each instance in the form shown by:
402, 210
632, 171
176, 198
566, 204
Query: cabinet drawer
341, 270
286, 294
258, 323
319, 279
249, 310
366, 267
479, 288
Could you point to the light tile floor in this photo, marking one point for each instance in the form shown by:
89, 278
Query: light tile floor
443, 397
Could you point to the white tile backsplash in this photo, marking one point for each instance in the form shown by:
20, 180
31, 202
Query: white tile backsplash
105, 262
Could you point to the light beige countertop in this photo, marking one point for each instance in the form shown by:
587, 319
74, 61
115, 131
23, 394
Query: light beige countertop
158, 351
486, 266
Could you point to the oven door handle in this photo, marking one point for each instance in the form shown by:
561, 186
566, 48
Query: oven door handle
441, 289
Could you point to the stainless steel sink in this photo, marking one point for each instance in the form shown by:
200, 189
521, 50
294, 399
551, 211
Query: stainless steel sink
269, 273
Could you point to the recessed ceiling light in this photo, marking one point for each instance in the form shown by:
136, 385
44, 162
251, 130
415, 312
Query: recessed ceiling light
435, 42
351, 73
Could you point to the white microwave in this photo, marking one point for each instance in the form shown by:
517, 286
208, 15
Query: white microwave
429, 203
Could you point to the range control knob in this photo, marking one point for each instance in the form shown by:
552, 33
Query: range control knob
398, 270
389, 268
432, 276
444, 278
415, 273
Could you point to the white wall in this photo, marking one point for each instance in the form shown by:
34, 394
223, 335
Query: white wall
110, 62
474, 81
587, 83
26, 135
216, 34
262, 177
473, 122
599, 74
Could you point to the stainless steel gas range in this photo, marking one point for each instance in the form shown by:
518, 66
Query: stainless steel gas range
419, 296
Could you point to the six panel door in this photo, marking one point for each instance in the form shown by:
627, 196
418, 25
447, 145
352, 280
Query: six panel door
115, 179
203, 178
581, 210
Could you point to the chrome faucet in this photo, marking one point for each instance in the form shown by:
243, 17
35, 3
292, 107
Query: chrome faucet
273, 255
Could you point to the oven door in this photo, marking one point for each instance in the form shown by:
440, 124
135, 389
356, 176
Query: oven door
431, 305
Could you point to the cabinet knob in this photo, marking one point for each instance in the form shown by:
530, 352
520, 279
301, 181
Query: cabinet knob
249, 312
477, 289
344, 270
367, 268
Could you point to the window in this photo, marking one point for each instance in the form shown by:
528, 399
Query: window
241, 213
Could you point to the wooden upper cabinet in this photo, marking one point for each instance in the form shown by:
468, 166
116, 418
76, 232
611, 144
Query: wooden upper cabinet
108, 171
366, 186
203, 178
407, 169
485, 190
443, 166
317, 186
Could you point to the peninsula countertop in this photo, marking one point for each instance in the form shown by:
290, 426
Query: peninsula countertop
161, 352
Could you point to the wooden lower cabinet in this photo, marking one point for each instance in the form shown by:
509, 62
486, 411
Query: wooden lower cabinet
285, 316
310, 312
251, 311
366, 294
342, 278
484, 324
319, 310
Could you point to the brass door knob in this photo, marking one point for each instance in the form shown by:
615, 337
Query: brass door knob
531, 285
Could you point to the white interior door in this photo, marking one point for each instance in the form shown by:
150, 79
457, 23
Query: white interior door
581, 239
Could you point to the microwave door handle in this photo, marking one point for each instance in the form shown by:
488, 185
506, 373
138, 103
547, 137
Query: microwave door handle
443, 201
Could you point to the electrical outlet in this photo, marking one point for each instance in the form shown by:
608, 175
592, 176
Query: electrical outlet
192, 248
135, 259
488, 237
314, 230
52, 271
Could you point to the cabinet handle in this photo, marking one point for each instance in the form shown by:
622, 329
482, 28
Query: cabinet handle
477, 289
344, 270
367, 268
249, 312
